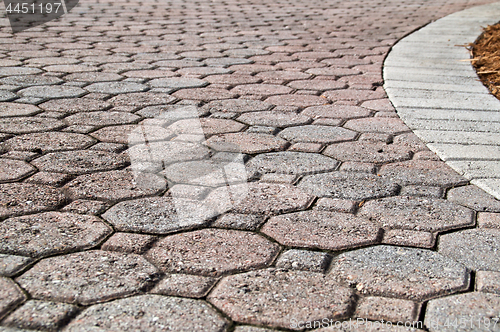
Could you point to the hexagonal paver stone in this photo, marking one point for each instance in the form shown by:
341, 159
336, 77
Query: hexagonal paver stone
336, 111
291, 163
348, 185
20, 198
115, 186
150, 313
158, 215
250, 143
30, 80
417, 213
210, 173
379, 125
10, 295
51, 233
261, 198
237, 106
475, 248
80, 162
116, 87
474, 198
212, 252
87, 277
101, 118
12, 71
177, 83
7, 95
204, 94
368, 152
167, 152
277, 298
422, 172
307, 260
132, 134
13, 170
25, 125
409, 273
11, 264
317, 134
209, 126
41, 315
322, 230
15, 109
185, 285
142, 99
274, 119
52, 91
74, 105
463, 312
48, 142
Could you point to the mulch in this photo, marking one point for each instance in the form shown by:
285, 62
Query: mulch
486, 58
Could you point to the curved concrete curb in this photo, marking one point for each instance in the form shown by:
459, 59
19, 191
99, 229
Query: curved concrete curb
441, 98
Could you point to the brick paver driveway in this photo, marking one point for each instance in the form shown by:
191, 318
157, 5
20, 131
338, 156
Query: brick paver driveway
122, 122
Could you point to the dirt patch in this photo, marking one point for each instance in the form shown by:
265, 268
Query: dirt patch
486, 58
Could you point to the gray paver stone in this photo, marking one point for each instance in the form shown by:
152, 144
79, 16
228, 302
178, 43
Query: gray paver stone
317, 134
36, 314
488, 282
13, 170
348, 185
10, 295
48, 142
474, 198
74, 105
101, 118
244, 222
116, 87
475, 248
150, 313
295, 259
274, 119
87, 277
408, 273
250, 143
474, 309
297, 163
417, 213
11, 264
237, 106
52, 91
370, 152
378, 308
184, 285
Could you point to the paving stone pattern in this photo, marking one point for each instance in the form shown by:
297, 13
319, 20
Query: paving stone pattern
108, 113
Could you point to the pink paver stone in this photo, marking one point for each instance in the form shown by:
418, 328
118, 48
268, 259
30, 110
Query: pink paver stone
277, 297
212, 252
322, 230
246, 143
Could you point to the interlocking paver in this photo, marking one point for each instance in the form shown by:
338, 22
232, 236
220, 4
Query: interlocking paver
116, 87
87, 277
209, 126
322, 230
474, 309
24, 198
298, 163
75, 105
141, 99
384, 125
408, 273
56, 91
12, 264
274, 119
368, 152
337, 111
262, 198
317, 134
101, 118
30, 80
114, 186
475, 248
13, 170
24, 125
296, 259
383, 308
347, 185
184, 285
51, 233
259, 297
250, 143
422, 172
80, 161
36, 314
48, 142
237, 106
193, 252
150, 313
159, 215
418, 213
14, 109
474, 198
129, 243
11, 295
